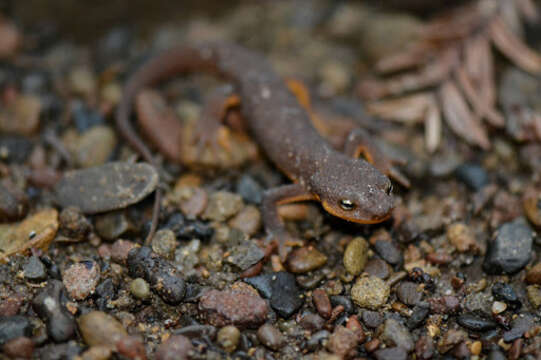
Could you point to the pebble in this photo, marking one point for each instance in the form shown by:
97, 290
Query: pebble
356, 255
131, 347
343, 301
450, 339
397, 334
19, 348
97, 353
161, 275
342, 341
475, 322
249, 189
34, 269
392, 353
228, 337
112, 225
74, 226
47, 304
94, 147
140, 289
248, 220
13, 204
120, 250
84, 117
245, 255
519, 326
408, 292
164, 243
372, 319
21, 116
444, 304
36, 231
222, 205
305, 259
498, 307
322, 303
496, 354
534, 295
81, 279
281, 289
239, 307
418, 316
192, 200
12, 327
505, 292
98, 328
388, 252
82, 81
473, 175
370, 292
530, 202
533, 276
270, 336
510, 249
424, 348
311, 322
11, 39
378, 268
107, 187
316, 339
177, 347
197, 331
461, 237
15, 149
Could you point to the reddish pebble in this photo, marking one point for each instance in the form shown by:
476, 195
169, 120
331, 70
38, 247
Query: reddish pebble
81, 279
342, 341
120, 250
239, 307
354, 325
322, 303
444, 304
10, 306
177, 347
424, 348
19, 348
439, 258
372, 345
516, 349
131, 347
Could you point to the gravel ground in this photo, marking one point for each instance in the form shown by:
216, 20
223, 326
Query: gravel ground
454, 274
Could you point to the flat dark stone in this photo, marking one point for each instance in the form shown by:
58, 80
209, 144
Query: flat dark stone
282, 290
107, 187
475, 322
12, 327
511, 248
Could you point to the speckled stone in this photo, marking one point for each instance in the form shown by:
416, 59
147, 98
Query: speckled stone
370, 292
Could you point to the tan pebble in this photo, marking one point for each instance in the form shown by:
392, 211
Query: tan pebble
248, 220
370, 292
461, 237
98, 328
356, 255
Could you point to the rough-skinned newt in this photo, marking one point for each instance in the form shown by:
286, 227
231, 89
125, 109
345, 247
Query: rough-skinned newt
347, 186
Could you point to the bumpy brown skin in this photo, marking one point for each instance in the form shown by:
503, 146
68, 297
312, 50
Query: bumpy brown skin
281, 127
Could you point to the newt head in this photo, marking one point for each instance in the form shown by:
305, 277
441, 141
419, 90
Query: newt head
354, 190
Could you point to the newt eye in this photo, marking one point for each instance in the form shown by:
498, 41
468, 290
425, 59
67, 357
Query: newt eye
347, 204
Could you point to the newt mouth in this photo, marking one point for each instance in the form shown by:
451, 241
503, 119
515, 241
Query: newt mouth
372, 220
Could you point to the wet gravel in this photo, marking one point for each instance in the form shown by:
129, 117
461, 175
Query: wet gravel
454, 274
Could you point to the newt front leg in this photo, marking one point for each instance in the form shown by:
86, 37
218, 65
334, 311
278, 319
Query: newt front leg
274, 224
